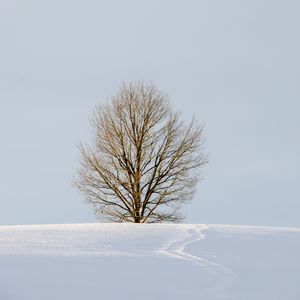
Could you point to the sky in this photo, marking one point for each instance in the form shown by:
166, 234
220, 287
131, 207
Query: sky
233, 64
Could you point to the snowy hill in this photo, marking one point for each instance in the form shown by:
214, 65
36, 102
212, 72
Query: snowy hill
127, 261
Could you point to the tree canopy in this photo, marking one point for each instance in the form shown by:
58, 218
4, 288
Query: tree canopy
144, 161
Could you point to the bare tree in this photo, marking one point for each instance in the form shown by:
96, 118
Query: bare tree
144, 162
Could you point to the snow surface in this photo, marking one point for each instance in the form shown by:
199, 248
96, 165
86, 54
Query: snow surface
128, 261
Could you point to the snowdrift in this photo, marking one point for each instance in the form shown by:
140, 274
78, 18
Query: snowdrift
128, 261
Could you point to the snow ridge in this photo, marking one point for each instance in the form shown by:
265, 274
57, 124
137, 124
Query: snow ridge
211, 262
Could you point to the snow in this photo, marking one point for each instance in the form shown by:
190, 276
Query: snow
129, 261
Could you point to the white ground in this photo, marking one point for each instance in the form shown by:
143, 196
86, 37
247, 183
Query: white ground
127, 261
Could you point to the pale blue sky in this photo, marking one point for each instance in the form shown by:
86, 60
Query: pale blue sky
234, 64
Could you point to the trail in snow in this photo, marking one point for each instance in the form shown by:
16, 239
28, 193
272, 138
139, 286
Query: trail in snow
225, 277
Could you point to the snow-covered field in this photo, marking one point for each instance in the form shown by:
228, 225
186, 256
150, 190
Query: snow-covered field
127, 261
